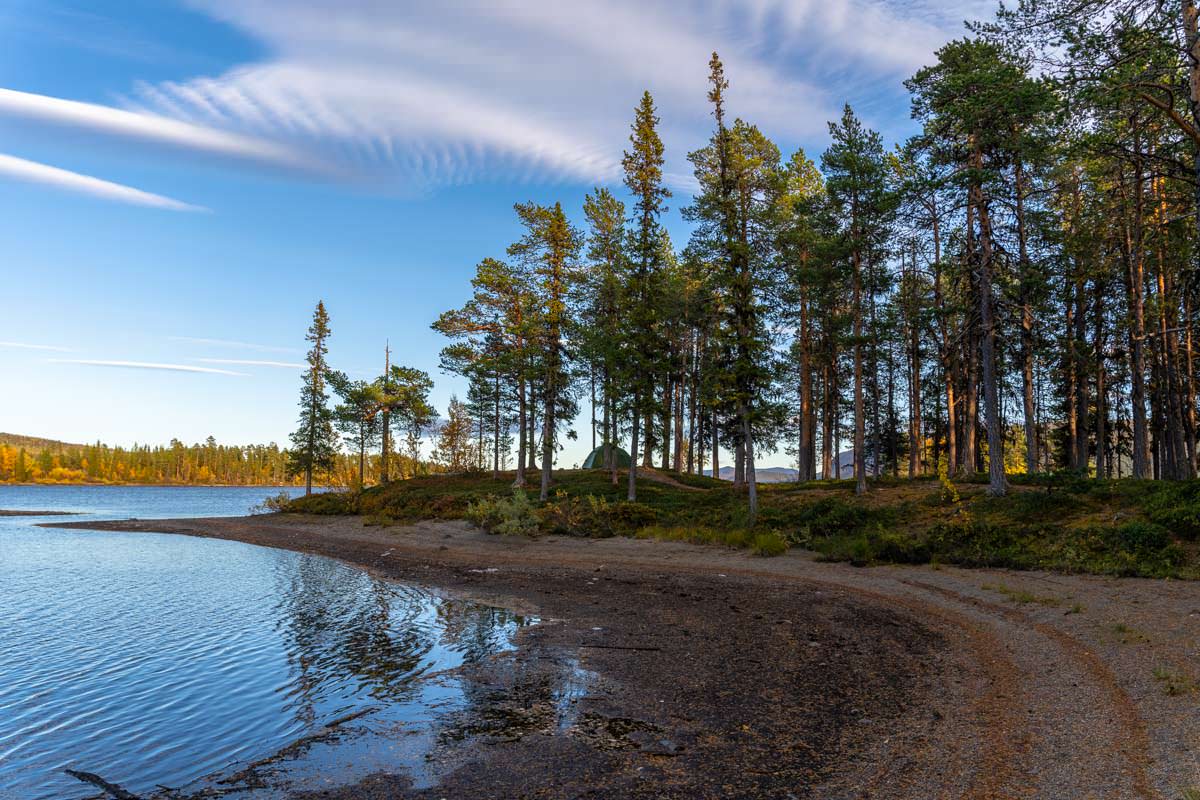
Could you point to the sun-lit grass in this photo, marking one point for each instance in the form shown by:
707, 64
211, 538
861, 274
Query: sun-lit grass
1063, 523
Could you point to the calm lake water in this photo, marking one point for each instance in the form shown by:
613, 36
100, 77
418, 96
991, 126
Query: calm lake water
154, 659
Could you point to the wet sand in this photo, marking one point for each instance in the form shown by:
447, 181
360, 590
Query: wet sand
668, 670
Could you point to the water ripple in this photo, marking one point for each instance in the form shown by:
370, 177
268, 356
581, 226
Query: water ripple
156, 659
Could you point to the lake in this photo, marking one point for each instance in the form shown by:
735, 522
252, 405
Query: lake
163, 660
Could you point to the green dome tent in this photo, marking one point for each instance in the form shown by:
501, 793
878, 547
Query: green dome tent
595, 459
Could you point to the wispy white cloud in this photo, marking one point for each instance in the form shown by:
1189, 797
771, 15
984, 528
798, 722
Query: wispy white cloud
459, 91
33, 172
250, 362
265, 348
31, 346
144, 365
151, 128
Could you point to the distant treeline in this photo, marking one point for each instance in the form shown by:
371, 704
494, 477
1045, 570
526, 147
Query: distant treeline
207, 463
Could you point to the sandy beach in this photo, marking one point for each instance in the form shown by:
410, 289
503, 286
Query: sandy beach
704, 672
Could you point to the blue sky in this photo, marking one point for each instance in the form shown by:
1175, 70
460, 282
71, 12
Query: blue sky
180, 182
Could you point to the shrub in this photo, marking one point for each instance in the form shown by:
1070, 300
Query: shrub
273, 504
1142, 537
335, 503
831, 516
594, 517
1175, 506
1030, 506
769, 544
948, 495
512, 516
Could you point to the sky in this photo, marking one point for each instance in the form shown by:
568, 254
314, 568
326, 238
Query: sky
182, 180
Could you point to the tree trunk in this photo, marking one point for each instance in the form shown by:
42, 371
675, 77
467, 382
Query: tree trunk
805, 458
677, 456
916, 439
751, 478
648, 429
547, 446
1101, 405
1026, 289
1079, 373
496, 426
828, 443
716, 447
860, 467
669, 409
631, 495
1135, 285
997, 483
693, 438
522, 431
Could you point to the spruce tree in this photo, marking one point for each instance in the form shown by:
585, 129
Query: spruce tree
314, 442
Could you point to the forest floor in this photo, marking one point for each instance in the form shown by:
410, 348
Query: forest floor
671, 670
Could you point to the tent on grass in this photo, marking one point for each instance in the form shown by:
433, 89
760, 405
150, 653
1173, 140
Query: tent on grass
595, 459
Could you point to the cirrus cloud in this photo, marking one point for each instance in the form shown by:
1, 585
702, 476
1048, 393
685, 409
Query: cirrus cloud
150, 365
34, 172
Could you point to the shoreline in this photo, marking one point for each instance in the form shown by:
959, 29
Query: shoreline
172, 485
720, 674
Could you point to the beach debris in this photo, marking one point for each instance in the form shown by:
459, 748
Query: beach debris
115, 791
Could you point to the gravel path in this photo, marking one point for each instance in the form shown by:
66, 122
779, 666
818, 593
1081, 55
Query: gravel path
903, 682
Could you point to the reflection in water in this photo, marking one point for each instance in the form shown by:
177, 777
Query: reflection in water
155, 659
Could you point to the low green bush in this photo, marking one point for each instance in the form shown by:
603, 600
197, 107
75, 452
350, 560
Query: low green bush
272, 504
334, 503
594, 517
769, 544
1030, 506
1142, 537
1173, 505
509, 516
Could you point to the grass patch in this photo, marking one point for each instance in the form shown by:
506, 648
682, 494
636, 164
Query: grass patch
1021, 596
1174, 684
769, 544
1059, 522
1126, 634
763, 544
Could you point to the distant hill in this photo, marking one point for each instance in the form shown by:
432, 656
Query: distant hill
844, 467
764, 474
35, 442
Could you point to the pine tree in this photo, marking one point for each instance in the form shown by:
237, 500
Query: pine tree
643, 166
856, 179
404, 408
314, 443
603, 307
549, 249
357, 416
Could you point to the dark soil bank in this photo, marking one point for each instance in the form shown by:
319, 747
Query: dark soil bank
658, 671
